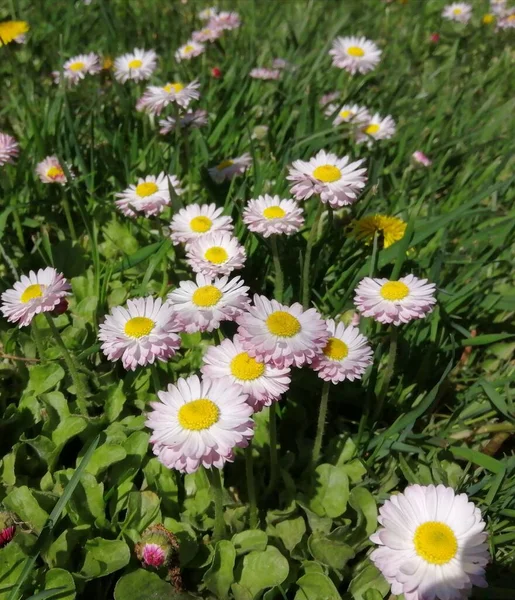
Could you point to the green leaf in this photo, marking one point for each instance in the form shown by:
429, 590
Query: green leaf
249, 540
483, 340
330, 551
314, 586
12, 559
331, 491
63, 580
478, 458
68, 428
115, 401
364, 504
369, 578
142, 510
138, 257
86, 504
105, 456
144, 585
163, 481
291, 532
22, 502
103, 557
496, 399
43, 378
219, 577
261, 570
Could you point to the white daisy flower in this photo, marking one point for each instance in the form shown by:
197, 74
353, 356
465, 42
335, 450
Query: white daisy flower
199, 422
197, 220
207, 34
328, 98
432, 544
33, 294
345, 356
217, 253
208, 13
78, 67
263, 382
377, 128
282, 335
193, 119
141, 333
137, 65
225, 20
458, 11
337, 181
508, 21
263, 73
9, 149
189, 50
50, 170
201, 305
269, 215
395, 302
155, 97
355, 54
351, 113
228, 169
149, 196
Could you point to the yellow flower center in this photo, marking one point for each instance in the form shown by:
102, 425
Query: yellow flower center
488, 18
327, 173
224, 164
54, 172
394, 290
207, 295
435, 542
146, 189
372, 129
176, 87
189, 48
511, 18
135, 63
355, 51
274, 212
336, 349
246, 368
283, 324
33, 291
198, 414
138, 327
216, 254
107, 63
345, 114
10, 30
77, 66
457, 11
200, 224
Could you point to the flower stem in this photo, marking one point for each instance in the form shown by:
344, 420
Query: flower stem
215, 479
322, 415
36, 332
306, 289
388, 372
373, 258
155, 378
68, 215
251, 488
279, 278
274, 463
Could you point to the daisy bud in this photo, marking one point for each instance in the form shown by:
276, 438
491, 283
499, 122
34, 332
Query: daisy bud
61, 308
7, 528
420, 158
434, 38
157, 547
216, 72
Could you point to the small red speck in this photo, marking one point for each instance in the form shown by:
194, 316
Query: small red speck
434, 38
215, 72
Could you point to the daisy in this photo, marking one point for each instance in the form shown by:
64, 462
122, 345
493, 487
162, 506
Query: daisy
351, 113
389, 229
199, 422
458, 11
201, 305
9, 149
189, 50
328, 98
282, 335
51, 171
136, 65
33, 294
207, 34
498, 7
432, 544
395, 302
270, 215
197, 220
155, 98
225, 20
145, 330
337, 181
421, 158
355, 54
192, 119
280, 63
507, 22
217, 253
263, 382
208, 13
262, 73
149, 196
228, 169
345, 356
377, 128
13, 31
78, 67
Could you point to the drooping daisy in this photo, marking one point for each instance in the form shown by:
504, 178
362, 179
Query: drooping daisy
225, 20
229, 168
149, 196
33, 294
395, 302
377, 128
199, 422
216, 253
207, 34
389, 229
351, 113
9, 149
141, 333
345, 356
13, 31
355, 54
155, 98
432, 544
50, 170
263, 382
458, 11
201, 305
192, 119
420, 158
263, 73
189, 50
137, 65
208, 13
282, 335
197, 220
77, 67
269, 215
337, 181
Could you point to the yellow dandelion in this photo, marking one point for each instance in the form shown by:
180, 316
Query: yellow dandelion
12, 31
389, 229
488, 19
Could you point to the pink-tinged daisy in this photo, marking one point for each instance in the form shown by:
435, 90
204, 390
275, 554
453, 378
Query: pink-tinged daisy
217, 253
337, 181
507, 22
351, 113
229, 168
458, 11
263, 382
189, 50
33, 294
377, 128
207, 34
225, 20
395, 302
269, 215
208, 13
197, 220
149, 196
13, 31
355, 54
199, 422
9, 149
420, 158
282, 335
328, 98
192, 119
155, 98
345, 356
201, 305
280, 63
50, 170
432, 544
77, 67
137, 65
498, 7
263, 73
141, 333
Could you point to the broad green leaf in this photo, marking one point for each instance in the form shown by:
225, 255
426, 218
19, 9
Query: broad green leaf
115, 401
163, 482
219, 577
102, 557
59, 578
22, 502
86, 504
43, 378
369, 578
105, 456
261, 570
364, 504
142, 510
247, 541
331, 491
315, 586
68, 428
144, 585
12, 559
60, 550
291, 532
330, 551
